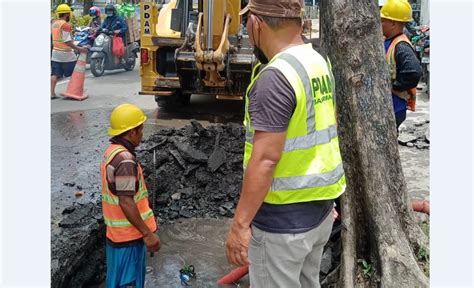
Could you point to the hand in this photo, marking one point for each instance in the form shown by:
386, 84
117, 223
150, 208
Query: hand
237, 245
334, 214
82, 49
117, 32
152, 242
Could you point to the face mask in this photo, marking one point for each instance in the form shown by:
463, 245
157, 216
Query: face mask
68, 18
109, 13
258, 52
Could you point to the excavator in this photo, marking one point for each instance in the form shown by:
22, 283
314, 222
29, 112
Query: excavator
194, 47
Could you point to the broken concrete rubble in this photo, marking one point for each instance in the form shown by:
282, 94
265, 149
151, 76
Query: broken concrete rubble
416, 134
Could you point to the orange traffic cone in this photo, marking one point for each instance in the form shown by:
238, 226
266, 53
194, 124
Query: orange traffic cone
75, 88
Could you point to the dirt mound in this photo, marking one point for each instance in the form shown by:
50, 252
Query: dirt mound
198, 170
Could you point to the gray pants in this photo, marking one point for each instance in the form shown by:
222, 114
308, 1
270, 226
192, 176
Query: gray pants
288, 260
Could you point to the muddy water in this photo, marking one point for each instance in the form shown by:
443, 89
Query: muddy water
197, 242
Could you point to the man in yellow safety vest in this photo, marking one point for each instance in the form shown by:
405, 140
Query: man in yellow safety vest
293, 166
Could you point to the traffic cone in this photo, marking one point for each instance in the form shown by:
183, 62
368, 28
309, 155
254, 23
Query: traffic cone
75, 88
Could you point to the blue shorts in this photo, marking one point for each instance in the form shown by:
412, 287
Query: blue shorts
126, 265
62, 69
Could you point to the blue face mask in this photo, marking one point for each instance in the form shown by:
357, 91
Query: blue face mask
110, 13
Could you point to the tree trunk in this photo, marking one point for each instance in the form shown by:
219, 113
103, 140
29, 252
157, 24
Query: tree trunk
87, 6
378, 222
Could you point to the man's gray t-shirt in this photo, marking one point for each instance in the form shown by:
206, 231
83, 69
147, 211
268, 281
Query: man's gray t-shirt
272, 102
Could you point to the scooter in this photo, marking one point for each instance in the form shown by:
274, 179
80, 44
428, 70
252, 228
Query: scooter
84, 36
81, 36
102, 58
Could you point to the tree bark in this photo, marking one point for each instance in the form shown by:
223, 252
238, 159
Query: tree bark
378, 222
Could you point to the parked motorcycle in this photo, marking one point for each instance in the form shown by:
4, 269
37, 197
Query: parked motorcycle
102, 58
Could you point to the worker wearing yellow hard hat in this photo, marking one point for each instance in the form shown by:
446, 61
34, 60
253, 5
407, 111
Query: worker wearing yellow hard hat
404, 67
397, 10
125, 117
62, 9
63, 58
130, 222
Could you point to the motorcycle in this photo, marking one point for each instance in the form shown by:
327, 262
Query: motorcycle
84, 36
102, 58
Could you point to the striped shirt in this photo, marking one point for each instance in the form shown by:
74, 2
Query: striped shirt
122, 170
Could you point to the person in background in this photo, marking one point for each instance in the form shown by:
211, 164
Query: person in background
404, 66
95, 21
115, 24
63, 58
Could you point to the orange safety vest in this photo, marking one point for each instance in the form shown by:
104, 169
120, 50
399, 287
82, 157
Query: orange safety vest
119, 229
58, 42
410, 95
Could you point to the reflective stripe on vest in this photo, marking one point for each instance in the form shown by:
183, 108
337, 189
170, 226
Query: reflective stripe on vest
310, 167
58, 43
119, 229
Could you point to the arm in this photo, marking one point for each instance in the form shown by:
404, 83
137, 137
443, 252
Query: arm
271, 105
130, 210
408, 68
123, 26
66, 34
75, 47
126, 174
266, 153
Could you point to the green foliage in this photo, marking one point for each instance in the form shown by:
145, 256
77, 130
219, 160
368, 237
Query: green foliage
80, 21
422, 255
367, 269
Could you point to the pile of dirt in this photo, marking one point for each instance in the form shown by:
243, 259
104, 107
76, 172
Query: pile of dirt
194, 171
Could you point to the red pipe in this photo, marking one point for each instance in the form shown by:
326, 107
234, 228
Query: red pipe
234, 276
421, 206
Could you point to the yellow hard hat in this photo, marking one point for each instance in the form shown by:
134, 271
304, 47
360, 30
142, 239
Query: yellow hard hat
125, 117
62, 9
396, 10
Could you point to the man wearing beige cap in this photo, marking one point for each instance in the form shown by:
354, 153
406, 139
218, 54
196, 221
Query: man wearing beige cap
292, 162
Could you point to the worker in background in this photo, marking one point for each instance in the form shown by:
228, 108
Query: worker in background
404, 66
130, 222
292, 163
63, 58
115, 24
95, 21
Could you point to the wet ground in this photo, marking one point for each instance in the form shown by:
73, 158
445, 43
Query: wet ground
78, 139
205, 251
416, 161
